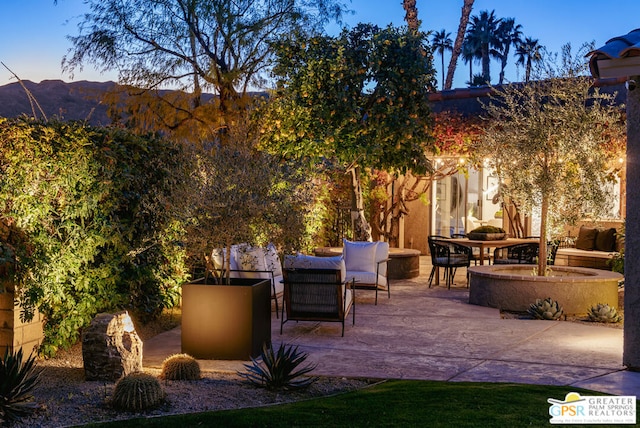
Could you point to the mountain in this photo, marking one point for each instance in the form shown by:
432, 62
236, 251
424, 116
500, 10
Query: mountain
66, 101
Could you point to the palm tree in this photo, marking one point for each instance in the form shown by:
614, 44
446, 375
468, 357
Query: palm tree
470, 53
442, 42
483, 33
411, 15
457, 45
528, 52
509, 34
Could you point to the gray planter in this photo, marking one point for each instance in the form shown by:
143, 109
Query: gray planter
226, 322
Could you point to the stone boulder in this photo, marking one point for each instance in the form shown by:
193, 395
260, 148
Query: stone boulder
111, 348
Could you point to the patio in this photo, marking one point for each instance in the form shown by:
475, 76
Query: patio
434, 334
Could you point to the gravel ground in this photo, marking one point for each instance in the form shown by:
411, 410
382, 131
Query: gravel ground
65, 399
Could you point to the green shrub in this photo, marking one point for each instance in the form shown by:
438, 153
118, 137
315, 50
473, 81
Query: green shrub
17, 380
94, 204
180, 367
137, 391
278, 369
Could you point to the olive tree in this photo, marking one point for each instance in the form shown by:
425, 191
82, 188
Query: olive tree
358, 100
549, 142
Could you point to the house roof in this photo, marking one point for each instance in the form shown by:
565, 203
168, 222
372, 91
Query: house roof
468, 101
619, 57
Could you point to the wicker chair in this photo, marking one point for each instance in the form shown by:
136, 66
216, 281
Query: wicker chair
317, 295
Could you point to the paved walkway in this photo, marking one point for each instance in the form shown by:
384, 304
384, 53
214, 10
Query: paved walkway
434, 334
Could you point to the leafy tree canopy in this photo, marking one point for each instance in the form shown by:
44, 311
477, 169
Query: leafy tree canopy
359, 98
190, 45
549, 141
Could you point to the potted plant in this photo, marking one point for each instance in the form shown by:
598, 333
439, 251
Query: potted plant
487, 233
237, 194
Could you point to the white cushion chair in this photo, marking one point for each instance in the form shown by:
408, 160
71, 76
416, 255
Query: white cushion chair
366, 263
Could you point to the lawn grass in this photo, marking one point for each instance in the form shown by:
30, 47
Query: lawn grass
403, 403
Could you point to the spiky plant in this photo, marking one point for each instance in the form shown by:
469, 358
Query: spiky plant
547, 309
137, 391
602, 312
17, 380
180, 367
279, 370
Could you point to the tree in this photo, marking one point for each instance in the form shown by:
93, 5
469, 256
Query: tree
469, 55
191, 46
482, 33
453, 135
508, 34
359, 100
411, 15
441, 41
528, 53
548, 140
238, 194
457, 45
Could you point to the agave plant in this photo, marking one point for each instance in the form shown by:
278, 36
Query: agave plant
17, 380
279, 370
547, 309
602, 312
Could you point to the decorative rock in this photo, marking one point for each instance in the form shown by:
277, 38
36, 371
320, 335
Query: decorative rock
111, 348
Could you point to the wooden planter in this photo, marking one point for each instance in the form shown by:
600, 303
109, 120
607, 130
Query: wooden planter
15, 334
226, 322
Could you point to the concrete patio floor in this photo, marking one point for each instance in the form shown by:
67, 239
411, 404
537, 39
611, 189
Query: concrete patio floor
434, 334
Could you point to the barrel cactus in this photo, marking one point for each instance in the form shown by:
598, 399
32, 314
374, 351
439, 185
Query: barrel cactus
547, 309
137, 391
602, 312
180, 367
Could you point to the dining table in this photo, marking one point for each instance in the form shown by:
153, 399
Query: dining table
489, 244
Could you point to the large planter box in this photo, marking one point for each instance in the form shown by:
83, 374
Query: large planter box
226, 322
15, 334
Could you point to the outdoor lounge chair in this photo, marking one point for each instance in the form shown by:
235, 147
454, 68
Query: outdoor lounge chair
317, 295
367, 264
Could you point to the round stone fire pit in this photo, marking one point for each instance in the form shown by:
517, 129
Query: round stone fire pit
514, 287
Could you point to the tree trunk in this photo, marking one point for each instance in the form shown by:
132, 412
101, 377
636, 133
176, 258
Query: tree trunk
542, 252
361, 228
457, 46
486, 64
411, 15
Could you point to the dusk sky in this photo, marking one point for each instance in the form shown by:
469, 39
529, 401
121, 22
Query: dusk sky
34, 32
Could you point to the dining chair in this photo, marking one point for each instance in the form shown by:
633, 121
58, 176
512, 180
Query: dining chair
449, 256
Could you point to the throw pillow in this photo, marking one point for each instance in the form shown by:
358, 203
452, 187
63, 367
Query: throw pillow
586, 238
360, 256
606, 240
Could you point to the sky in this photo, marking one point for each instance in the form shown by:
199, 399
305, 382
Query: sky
33, 33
